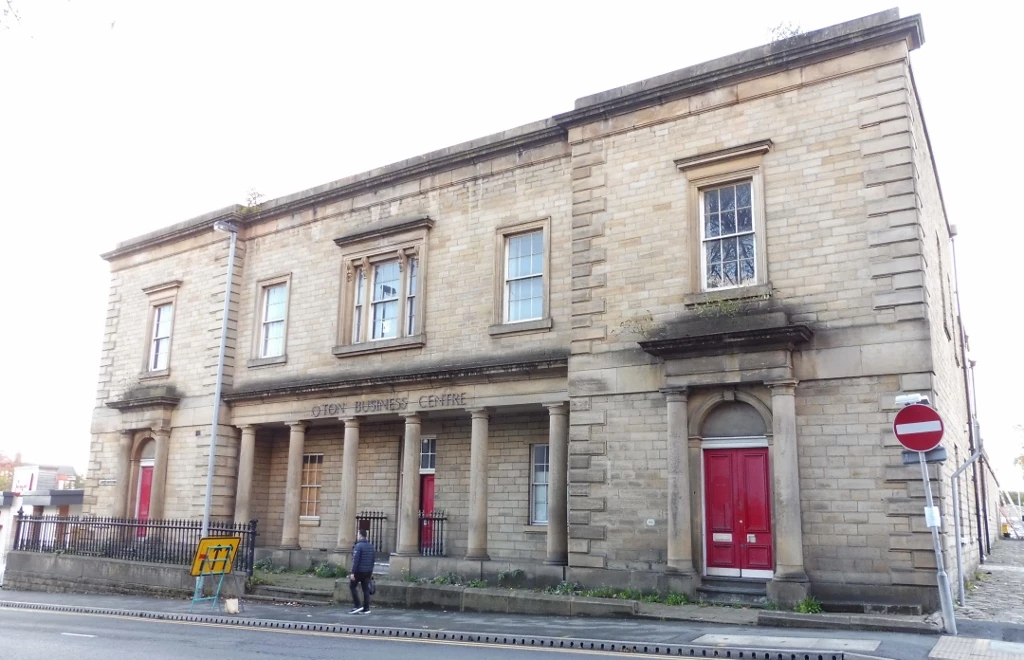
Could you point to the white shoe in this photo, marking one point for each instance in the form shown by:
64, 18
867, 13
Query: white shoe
356, 610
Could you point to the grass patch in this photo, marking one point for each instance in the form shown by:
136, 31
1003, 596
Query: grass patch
809, 605
675, 598
447, 578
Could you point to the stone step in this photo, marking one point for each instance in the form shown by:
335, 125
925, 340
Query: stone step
279, 600
290, 594
733, 591
849, 607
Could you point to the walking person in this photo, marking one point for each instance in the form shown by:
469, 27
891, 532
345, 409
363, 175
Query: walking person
363, 555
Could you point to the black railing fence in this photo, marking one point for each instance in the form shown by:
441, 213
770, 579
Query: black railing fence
372, 522
432, 533
157, 541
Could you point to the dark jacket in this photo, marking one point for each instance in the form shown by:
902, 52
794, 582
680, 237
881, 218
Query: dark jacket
362, 557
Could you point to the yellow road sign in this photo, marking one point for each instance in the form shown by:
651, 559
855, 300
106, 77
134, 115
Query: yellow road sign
215, 555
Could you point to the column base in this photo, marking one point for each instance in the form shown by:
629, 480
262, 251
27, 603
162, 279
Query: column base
289, 546
684, 571
478, 557
400, 553
787, 593
561, 559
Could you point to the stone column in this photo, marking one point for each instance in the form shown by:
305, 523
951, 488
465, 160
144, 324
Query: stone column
293, 487
349, 491
477, 546
246, 460
680, 543
124, 474
558, 484
790, 582
408, 524
158, 493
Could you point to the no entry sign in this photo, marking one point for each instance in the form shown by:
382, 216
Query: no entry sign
918, 427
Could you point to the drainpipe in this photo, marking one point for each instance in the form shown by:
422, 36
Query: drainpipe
971, 419
984, 458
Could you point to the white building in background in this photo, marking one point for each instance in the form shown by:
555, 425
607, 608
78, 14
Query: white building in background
38, 490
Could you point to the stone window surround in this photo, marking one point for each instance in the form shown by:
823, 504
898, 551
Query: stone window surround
159, 294
312, 521
711, 170
257, 327
533, 523
402, 240
500, 327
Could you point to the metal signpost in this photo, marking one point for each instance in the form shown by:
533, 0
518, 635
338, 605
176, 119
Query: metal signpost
919, 428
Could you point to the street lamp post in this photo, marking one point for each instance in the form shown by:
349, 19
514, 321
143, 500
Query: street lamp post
220, 225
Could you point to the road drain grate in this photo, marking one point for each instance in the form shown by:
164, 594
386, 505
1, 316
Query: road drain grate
676, 650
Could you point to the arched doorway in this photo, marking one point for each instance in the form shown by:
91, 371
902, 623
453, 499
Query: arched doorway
737, 493
144, 481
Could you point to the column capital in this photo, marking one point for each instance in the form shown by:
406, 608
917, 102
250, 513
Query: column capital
557, 408
351, 422
675, 394
160, 431
787, 386
300, 426
246, 427
411, 418
479, 413
127, 433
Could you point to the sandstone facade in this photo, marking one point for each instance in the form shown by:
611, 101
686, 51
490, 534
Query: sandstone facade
631, 366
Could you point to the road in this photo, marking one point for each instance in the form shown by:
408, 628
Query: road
37, 634
91, 637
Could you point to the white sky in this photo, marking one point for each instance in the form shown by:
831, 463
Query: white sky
120, 117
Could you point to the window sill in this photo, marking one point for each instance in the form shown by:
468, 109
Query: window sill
154, 375
535, 529
538, 325
760, 291
380, 346
309, 521
267, 361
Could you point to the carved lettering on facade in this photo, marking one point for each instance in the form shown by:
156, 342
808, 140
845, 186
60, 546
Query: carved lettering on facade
393, 404
445, 400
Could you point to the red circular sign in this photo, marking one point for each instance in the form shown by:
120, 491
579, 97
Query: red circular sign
918, 427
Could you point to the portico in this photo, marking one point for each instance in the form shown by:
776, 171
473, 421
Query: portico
471, 453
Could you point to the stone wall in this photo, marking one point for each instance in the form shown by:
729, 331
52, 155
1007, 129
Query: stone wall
31, 571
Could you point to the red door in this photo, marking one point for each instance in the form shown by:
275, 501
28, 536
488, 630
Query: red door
427, 507
145, 488
738, 512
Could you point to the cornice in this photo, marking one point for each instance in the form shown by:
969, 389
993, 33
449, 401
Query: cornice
419, 377
786, 336
797, 51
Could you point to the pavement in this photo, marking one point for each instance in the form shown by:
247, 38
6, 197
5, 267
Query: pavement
633, 636
991, 624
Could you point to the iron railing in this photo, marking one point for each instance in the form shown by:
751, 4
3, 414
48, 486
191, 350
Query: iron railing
157, 541
372, 522
432, 533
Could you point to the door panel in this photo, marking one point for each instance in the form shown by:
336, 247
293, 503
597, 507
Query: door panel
757, 518
145, 489
738, 525
720, 506
427, 507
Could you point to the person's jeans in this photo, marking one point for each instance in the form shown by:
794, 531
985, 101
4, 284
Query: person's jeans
363, 579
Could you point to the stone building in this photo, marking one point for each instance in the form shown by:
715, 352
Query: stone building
653, 341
